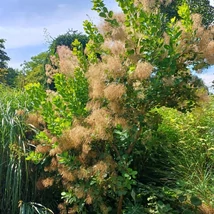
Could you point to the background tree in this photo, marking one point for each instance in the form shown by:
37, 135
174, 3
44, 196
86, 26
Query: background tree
3, 55
11, 77
34, 70
3, 60
67, 39
202, 7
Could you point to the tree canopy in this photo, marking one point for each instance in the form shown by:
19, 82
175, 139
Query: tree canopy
201, 7
3, 55
34, 70
11, 77
3, 60
67, 39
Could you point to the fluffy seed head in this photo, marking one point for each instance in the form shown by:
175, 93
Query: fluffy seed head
119, 34
121, 121
197, 20
100, 120
53, 166
116, 106
47, 182
100, 170
86, 148
96, 77
206, 38
35, 120
142, 71
55, 151
209, 53
115, 33
148, 5
114, 91
166, 2
83, 173
67, 61
43, 149
89, 199
96, 90
93, 105
79, 192
66, 174
39, 184
114, 68
117, 48
73, 138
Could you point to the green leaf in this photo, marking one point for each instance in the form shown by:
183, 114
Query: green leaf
102, 15
105, 10
195, 201
182, 198
133, 194
130, 52
188, 212
110, 14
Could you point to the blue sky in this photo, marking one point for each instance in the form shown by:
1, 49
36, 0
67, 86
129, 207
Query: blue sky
22, 24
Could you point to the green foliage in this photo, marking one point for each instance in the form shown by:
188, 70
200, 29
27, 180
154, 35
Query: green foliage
76, 93
35, 157
16, 183
103, 12
36, 94
202, 7
69, 101
184, 149
150, 199
11, 77
34, 70
20, 175
3, 61
184, 13
78, 51
93, 48
3, 55
67, 39
152, 48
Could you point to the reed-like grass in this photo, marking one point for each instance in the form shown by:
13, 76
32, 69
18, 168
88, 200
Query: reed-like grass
15, 183
33, 208
184, 151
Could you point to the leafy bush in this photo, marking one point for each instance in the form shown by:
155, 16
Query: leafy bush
186, 140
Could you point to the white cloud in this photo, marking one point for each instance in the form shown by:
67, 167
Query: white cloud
20, 36
24, 29
28, 30
15, 65
208, 78
62, 5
